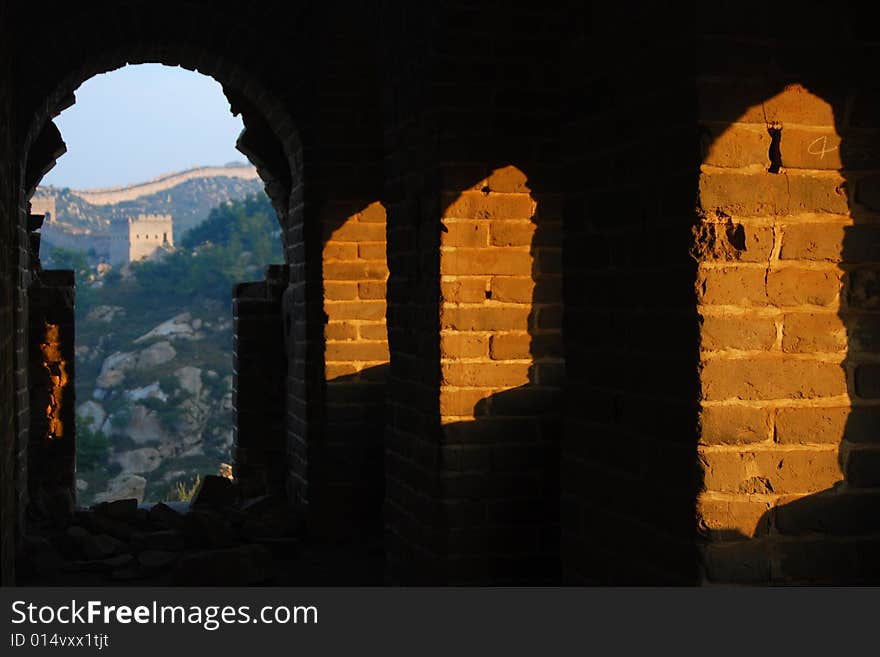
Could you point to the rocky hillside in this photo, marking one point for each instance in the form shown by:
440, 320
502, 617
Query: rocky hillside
154, 358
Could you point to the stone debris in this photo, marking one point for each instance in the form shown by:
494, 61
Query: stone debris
230, 542
215, 492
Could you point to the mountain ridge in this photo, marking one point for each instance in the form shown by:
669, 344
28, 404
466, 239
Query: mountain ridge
119, 193
188, 196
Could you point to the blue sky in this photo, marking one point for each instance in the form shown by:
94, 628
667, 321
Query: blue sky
139, 122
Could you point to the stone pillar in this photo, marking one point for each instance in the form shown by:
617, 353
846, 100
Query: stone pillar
51, 455
260, 371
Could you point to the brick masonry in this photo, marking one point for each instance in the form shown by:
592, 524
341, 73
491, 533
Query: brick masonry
558, 305
785, 293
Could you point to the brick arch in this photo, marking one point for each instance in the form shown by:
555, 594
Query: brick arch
341, 177
270, 140
42, 142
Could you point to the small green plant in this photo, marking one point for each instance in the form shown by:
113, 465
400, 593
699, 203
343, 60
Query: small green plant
181, 493
92, 446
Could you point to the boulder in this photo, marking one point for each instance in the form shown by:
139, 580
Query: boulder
113, 369
123, 486
190, 379
155, 354
151, 391
143, 426
139, 461
177, 327
91, 412
105, 313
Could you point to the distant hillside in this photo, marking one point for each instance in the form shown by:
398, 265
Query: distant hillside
154, 356
82, 218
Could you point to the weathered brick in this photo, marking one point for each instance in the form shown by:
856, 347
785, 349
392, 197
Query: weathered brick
811, 425
863, 424
507, 179
464, 290
835, 242
740, 286
462, 401
488, 374
737, 145
465, 233
510, 346
354, 231
867, 380
793, 287
762, 194
813, 332
371, 251
771, 377
868, 192
812, 241
371, 290
720, 99
863, 291
770, 471
737, 332
512, 233
810, 148
729, 519
489, 318
356, 351
465, 261
863, 468
734, 425
340, 331
477, 205
377, 331
738, 562
340, 291
464, 345
356, 270
341, 310
863, 333
517, 289
819, 560
334, 370
340, 250
373, 213
830, 513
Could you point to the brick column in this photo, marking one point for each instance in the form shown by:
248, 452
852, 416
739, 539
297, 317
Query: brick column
11, 506
501, 372
51, 459
788, 299
259, 378
473, 451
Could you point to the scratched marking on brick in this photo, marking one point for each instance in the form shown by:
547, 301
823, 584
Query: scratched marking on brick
819, 146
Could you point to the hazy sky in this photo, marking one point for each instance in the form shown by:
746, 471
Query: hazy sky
142, 121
